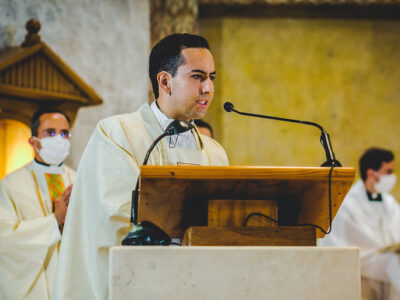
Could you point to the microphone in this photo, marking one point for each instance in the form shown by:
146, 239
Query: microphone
325, 139
228, 106
147, 233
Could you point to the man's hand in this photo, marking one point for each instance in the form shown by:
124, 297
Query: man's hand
61, 205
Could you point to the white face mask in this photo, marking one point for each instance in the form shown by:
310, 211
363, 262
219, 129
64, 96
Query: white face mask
55, 149
385, 184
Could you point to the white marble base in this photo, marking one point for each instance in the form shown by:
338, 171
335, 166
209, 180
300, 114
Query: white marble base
234, 273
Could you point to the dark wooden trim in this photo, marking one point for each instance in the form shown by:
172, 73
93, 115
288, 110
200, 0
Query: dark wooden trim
250, 236
300, 11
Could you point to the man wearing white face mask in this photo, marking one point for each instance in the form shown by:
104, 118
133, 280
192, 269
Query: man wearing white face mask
33, 206
369, 218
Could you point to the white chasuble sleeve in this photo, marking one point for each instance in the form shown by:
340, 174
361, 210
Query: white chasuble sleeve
98, 217
24, 245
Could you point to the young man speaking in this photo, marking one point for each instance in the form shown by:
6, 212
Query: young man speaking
182, 73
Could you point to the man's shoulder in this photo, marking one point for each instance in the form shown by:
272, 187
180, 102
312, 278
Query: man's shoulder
118, 122
391, 199
358, 190
210, 141
68, 169
355, 199
216, 151
18, 175
125, 131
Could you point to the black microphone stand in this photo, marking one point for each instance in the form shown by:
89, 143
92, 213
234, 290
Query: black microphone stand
135, 192
325, 139
147, 233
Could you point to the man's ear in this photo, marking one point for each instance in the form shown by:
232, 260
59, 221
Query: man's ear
164, 82
370, 173
34, 143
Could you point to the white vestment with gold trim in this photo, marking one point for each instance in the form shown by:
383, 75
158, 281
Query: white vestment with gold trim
29, 232
100, 205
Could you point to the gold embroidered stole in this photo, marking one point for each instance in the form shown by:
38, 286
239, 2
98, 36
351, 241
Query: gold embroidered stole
56, 186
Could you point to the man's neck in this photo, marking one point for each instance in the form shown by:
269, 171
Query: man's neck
45, 168
41, 162
162, 104
162, 111
369, 186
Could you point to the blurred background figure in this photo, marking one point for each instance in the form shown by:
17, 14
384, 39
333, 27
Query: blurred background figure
33, 206
204, 128
369, 218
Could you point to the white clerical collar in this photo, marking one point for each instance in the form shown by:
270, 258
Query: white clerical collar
43, 168
184, 140
165, 120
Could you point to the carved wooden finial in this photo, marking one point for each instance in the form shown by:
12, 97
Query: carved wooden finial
32, 37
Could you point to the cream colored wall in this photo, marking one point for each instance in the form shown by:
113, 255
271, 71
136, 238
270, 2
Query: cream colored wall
343, 74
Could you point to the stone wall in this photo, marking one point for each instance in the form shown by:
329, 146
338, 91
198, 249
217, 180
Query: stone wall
106, 42
343, 74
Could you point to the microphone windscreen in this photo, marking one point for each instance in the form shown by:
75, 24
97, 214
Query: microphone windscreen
228, 106
178, 126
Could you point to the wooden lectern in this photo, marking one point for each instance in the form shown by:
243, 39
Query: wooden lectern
207, 206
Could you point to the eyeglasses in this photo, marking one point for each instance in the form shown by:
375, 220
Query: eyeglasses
52, 132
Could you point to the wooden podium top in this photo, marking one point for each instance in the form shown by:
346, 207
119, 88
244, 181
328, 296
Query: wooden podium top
175, 197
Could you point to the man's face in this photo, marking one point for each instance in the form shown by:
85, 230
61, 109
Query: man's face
192, 88
50, 125
387, 168
382, 180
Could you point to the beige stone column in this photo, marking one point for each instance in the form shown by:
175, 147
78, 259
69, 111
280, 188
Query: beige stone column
172, 16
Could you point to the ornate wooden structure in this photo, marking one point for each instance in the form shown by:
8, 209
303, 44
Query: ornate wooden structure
32, 76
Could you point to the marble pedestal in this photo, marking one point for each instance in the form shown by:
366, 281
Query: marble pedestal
234, 273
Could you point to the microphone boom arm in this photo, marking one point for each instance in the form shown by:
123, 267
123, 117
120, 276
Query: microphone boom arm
279, 119
325, 139
147, 233
135, 193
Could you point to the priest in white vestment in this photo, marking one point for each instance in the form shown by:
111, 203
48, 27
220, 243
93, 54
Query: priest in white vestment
33, 205
369, 218
182, 73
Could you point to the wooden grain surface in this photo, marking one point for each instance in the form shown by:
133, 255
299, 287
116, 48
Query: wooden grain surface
176, 197
40, 95
250, 236
223, 213
12, 55
245, 172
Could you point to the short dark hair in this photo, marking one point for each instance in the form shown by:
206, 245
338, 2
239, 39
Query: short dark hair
35, 122
166, 55
372, 159
201, 123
